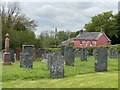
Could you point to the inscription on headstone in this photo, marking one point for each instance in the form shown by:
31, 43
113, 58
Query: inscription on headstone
101, 59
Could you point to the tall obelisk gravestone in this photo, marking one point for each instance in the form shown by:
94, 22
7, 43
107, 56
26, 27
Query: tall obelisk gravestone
6, 55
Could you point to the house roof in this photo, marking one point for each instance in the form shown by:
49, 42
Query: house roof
90, 36
68, 41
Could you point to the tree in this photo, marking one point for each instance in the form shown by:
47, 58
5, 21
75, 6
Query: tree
106, 22
14, 23
13, 19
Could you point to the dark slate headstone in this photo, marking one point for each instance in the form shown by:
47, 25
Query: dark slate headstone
69, 57
26, 61
77, 53
26, 58
57, 66
49, 60
83, 54
62, 50
113, 54
101, 59
12, 56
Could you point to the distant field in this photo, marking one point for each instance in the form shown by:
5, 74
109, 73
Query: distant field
81, 75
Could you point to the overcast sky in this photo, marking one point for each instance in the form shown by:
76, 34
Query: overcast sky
65, 16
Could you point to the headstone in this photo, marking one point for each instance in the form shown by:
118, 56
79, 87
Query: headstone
83, 54
57, 66
49, 60
26, 60
6, 55
113, 54
69, 57
18, 51
77, 53
39, 52
12, 56
101, 59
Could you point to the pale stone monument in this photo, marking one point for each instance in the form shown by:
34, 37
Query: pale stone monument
6, 55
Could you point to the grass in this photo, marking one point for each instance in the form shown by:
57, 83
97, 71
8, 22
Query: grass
81, 75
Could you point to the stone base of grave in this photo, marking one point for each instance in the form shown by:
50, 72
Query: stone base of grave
7, 59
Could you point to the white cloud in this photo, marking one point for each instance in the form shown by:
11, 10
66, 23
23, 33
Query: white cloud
65, 15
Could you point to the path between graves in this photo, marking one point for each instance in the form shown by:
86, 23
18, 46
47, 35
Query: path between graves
94, 80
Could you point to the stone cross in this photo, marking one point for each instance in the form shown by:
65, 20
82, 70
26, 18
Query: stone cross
6, 55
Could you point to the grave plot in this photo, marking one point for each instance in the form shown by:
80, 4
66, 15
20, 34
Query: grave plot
83, 54
57, 66
26, 58
101, 59
77, 53
69, 57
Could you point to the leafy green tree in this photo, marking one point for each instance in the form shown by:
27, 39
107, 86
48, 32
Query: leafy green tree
106, 22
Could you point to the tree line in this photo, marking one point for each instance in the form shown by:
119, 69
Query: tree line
21, 28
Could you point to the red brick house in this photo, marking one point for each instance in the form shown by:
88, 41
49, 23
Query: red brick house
91, 39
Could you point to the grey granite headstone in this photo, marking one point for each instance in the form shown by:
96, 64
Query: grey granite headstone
12, 56
113, 54
69, 57
26, 56
57, 66
83, 54
49, 60
77, 53
101, 59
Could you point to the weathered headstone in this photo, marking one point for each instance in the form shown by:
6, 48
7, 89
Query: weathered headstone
49, 60
69, 57
6, 55
12, 56
83, 54
18, 51
26, 60
113, 54
77, 53
101, 59
57, 66
39, 52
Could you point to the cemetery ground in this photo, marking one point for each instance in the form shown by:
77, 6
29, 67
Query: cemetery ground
81, 75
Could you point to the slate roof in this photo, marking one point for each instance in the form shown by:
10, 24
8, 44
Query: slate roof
67, 41
90, 36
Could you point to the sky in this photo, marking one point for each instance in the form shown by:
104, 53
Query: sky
65, 15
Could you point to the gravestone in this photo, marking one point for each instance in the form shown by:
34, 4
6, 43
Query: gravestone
39, 52
113, 54
12, 56
6, 55
77, 53
83, 54
18, 51
57, 66
49, 60
69, 57
101, 59
26, 60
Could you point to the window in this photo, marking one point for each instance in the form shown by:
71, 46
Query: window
90, 43
80, 42
86, 43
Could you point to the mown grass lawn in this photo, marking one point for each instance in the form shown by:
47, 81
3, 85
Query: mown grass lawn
81, 75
